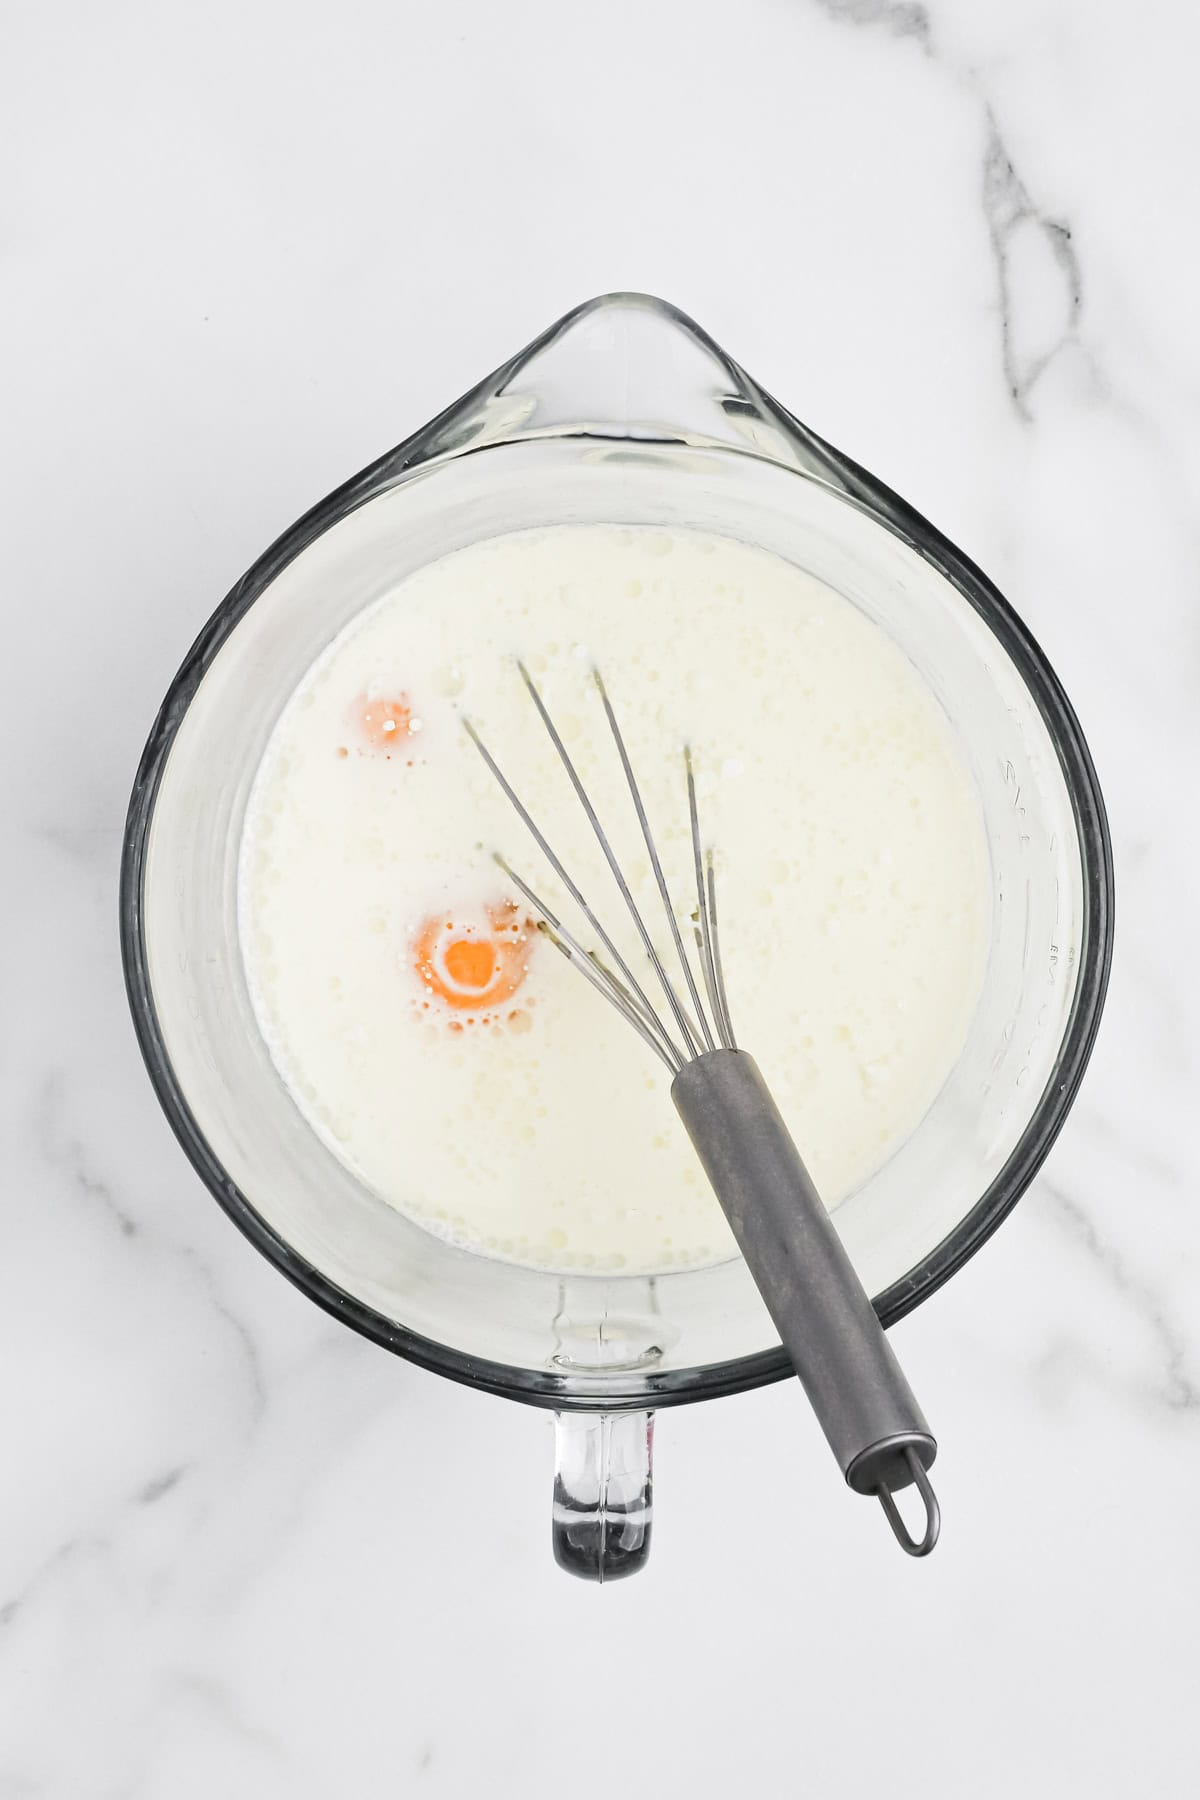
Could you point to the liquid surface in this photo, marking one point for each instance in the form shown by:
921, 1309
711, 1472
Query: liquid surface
442, 1046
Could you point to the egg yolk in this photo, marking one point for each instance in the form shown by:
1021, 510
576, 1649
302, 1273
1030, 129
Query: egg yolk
385, 723
473, 964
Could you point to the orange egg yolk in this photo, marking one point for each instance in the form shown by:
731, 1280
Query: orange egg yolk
385, 723
473, 965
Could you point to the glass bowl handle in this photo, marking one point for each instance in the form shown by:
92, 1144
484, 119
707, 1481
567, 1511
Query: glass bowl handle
602, 1493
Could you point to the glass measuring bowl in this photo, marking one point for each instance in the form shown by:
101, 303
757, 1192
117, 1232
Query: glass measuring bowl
622, 412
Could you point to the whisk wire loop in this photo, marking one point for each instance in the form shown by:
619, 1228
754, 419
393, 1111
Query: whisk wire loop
686, 1029
698, 1031
572, 888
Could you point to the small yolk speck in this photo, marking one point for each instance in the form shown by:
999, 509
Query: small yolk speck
385, 722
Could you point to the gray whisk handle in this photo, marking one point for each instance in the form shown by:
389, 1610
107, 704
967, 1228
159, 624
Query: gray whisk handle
822, 1313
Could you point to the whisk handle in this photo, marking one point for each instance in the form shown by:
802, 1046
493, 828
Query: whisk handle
822, 1313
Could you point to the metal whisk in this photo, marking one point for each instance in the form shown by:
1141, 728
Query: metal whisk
819, 1307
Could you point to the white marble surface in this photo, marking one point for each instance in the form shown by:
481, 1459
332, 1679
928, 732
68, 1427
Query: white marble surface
245, 248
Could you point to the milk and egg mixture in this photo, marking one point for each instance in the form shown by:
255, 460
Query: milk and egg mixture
443, 1047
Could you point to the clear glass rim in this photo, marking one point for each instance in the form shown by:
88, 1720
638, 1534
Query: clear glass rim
545, 1387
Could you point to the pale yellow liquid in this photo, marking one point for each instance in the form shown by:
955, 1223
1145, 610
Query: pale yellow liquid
851, 861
